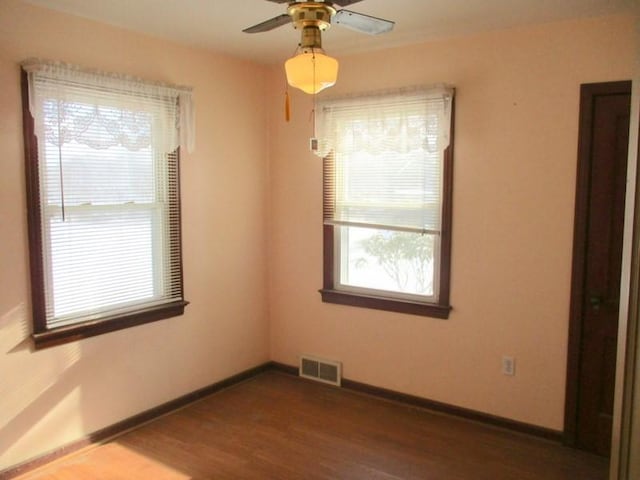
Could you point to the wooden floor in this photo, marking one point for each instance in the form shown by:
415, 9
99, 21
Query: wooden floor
276, 426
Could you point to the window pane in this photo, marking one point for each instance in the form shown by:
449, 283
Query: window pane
388, 260
102, 212
104, 200
389, 188
94, 269
98, 177
86, 160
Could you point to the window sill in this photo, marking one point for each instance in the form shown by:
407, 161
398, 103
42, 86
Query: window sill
72, 333
384, 303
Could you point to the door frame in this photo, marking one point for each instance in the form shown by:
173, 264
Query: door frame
625, 459
588, 92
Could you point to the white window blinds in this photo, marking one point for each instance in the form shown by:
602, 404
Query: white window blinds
386, 158
109, 191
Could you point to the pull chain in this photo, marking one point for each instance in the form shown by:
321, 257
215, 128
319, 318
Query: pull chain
60, 162
287, 99
287, 106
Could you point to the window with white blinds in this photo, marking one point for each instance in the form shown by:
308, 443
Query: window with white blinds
104, 200
384, 191
387, 152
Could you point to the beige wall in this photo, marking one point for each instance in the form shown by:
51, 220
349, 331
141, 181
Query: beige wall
514, 181
516, 133
51, 397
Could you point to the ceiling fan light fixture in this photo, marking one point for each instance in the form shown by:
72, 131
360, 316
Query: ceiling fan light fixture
311, 70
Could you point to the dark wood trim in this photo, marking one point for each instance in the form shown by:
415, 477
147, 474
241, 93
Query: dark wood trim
440, 407
341, 297
71, 333
43, 336
36, 267
453, 410
392, 304
133, 422
327, 261
588, 92
284, 368
447, 215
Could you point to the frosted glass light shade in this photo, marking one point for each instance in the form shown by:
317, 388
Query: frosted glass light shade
300, 72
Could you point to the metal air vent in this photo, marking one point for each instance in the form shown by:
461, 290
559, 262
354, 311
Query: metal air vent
321, 370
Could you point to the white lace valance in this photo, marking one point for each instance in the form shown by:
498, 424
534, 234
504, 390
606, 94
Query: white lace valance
401, 120
102, 110
385, 158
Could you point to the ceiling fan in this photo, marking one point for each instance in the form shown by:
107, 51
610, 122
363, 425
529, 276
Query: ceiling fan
311, 70
322, 14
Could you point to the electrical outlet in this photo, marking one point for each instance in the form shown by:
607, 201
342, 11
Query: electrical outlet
508, 365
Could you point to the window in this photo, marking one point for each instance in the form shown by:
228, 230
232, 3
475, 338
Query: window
387, 200
103, 202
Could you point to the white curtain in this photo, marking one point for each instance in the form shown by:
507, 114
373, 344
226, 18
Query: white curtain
386, 155
432, 101
102, 110
108, 190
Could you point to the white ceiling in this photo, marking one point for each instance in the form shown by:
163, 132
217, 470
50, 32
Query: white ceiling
218, 24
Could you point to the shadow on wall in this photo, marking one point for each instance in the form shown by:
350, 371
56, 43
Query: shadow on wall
32, 383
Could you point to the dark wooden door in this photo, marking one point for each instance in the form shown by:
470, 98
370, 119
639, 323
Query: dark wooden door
604, 138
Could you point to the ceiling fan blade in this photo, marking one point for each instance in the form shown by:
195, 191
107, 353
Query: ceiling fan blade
362, 23
270, 24
342, 3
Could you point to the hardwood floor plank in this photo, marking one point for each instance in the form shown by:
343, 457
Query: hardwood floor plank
275, 426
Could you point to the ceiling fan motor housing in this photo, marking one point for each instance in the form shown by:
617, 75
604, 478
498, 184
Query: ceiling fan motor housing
311, 14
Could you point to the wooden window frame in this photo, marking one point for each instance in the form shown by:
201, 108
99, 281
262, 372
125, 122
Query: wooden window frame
442, 308
44, 336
